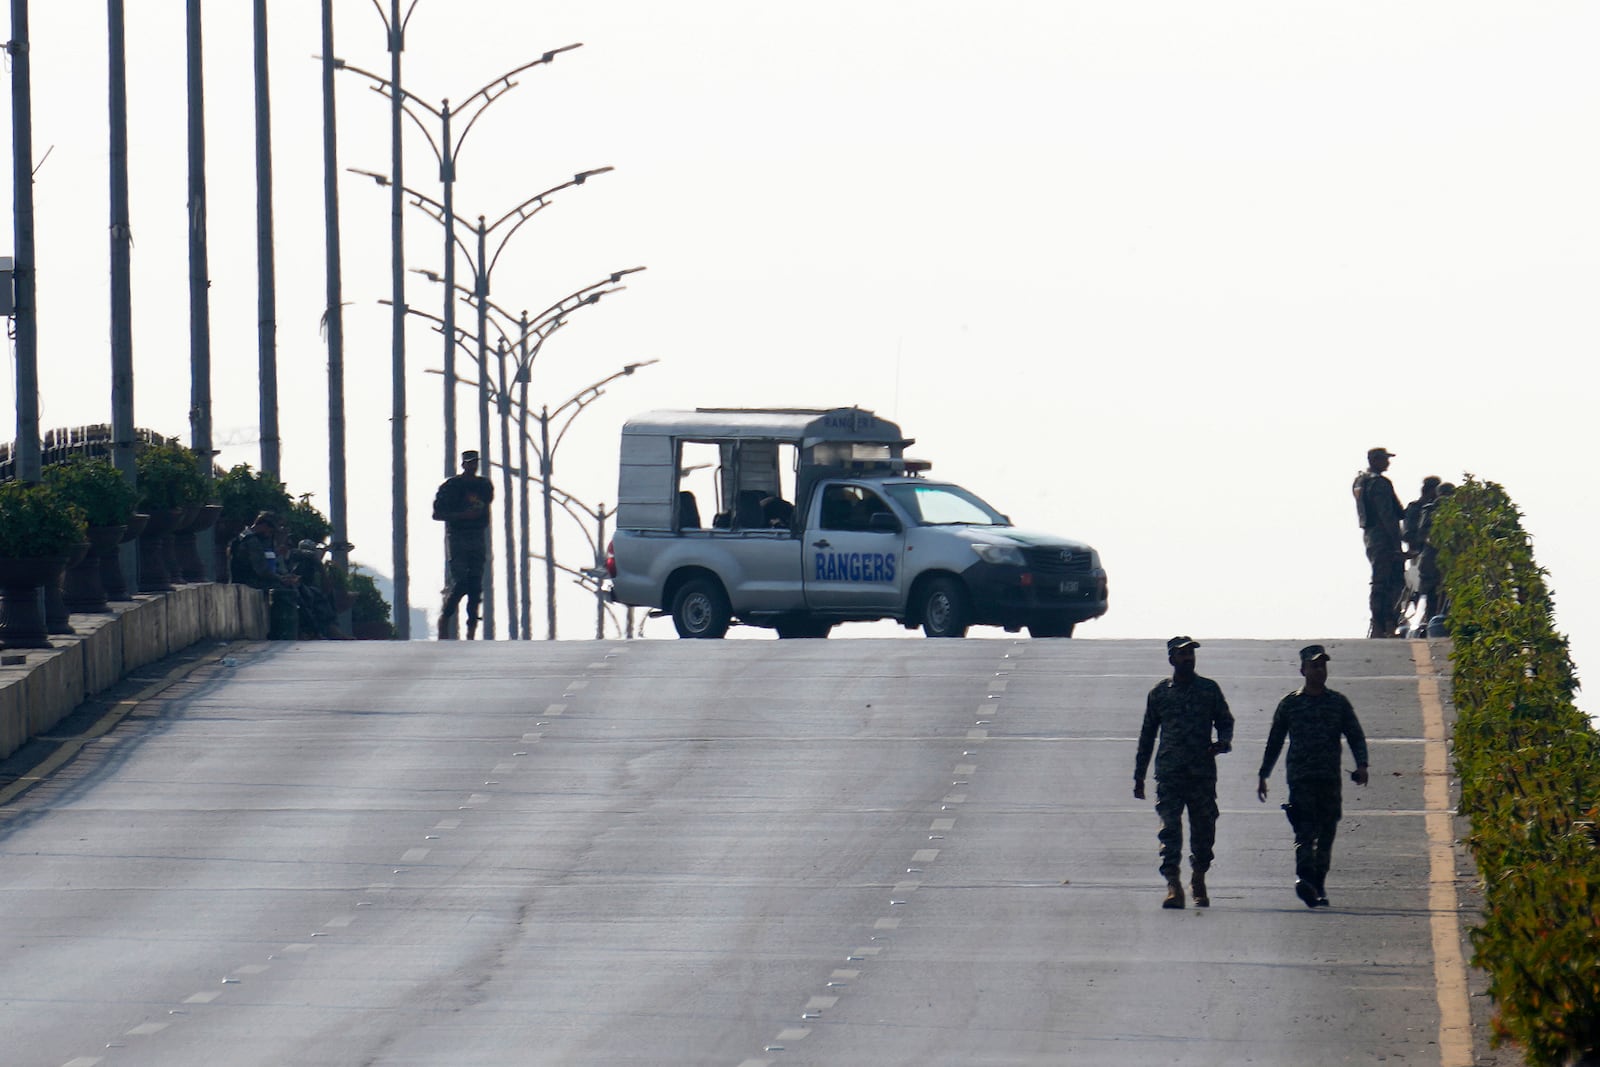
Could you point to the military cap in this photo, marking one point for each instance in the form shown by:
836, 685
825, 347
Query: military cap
470, 456
1182, 641
1313, 652
1374, 452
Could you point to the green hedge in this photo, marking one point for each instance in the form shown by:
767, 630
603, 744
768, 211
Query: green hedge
1529, 764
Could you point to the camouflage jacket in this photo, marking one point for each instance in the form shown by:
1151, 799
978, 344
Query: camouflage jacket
1313, 726
1378, 508
1184, 716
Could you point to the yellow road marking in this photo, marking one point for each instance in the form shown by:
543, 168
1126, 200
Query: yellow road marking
1449, 968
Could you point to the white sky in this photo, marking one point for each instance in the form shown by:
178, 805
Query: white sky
1152, 275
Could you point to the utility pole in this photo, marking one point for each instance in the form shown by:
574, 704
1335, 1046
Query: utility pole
335, 311
199, 270
25, 311
266, 270
123, 454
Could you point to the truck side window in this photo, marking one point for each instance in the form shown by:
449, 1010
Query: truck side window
837, 502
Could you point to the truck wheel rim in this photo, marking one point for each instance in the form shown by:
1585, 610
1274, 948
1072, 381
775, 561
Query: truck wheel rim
696, 613
939, 612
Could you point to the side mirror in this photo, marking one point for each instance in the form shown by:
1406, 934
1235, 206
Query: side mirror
883, 522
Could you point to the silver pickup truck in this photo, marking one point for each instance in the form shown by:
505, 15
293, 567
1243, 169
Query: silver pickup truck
817, 518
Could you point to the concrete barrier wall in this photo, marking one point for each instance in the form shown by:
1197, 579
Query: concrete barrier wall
39, 687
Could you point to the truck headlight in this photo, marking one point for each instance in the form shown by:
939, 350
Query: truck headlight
1002, 555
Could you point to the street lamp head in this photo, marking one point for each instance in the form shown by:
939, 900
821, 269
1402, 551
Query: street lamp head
381, 179
617, 276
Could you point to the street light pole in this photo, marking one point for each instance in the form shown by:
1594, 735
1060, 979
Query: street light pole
447, 150
505, 473
396, 27
577, 402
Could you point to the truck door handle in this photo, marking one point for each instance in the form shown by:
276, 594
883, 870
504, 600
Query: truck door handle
821, 544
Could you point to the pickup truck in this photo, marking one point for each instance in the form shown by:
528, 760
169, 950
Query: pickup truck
868, 535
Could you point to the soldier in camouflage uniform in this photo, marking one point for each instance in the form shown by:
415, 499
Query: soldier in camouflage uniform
1313, 718
1184, 710
462, 504
1378, 509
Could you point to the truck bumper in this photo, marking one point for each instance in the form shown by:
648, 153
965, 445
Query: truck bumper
1014, 596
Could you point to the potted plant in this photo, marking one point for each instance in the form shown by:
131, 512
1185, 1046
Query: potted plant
107, 499
38, 528
369, 614
170, 477
170, 484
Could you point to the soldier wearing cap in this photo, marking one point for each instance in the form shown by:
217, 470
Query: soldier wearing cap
1184, 710
1313, 718
462, 504
1378, 509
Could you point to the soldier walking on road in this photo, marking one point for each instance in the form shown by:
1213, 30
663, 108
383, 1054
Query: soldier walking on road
1313, 718
1184, 710
1378, 508
462, 504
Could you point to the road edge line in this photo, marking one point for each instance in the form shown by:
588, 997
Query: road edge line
1449, 965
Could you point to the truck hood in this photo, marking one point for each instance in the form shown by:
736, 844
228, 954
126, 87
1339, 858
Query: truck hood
1012, 535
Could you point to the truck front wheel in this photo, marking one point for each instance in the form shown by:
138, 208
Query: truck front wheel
945, 612
701, 609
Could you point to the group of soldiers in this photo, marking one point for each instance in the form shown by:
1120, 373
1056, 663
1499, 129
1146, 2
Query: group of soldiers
1394, 535
1190, 716
257, 558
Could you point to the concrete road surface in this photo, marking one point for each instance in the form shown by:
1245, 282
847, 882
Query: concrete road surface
731, 853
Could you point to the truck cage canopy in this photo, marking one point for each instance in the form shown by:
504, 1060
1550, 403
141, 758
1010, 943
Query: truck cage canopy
649, 493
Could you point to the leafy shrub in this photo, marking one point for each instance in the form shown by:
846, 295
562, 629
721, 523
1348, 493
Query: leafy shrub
369, 605
305, 523
36, 522
1529, 765
169, 477
96, 486
244, 494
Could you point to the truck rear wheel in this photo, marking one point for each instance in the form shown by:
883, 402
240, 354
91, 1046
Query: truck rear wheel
701, 609
945, 612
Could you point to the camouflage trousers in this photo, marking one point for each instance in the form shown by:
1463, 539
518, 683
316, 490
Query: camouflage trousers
1199, 797
1314, 810
1388, 589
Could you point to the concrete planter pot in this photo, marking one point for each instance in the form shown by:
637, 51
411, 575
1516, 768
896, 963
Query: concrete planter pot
111, 576
83, 588
22, 622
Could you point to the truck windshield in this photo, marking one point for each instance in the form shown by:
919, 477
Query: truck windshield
932, 504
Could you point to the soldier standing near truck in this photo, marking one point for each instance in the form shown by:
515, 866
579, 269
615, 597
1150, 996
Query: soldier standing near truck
462, 504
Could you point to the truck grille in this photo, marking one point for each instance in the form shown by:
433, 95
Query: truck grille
1058, 560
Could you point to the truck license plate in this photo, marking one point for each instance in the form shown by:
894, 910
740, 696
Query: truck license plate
1069, 587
